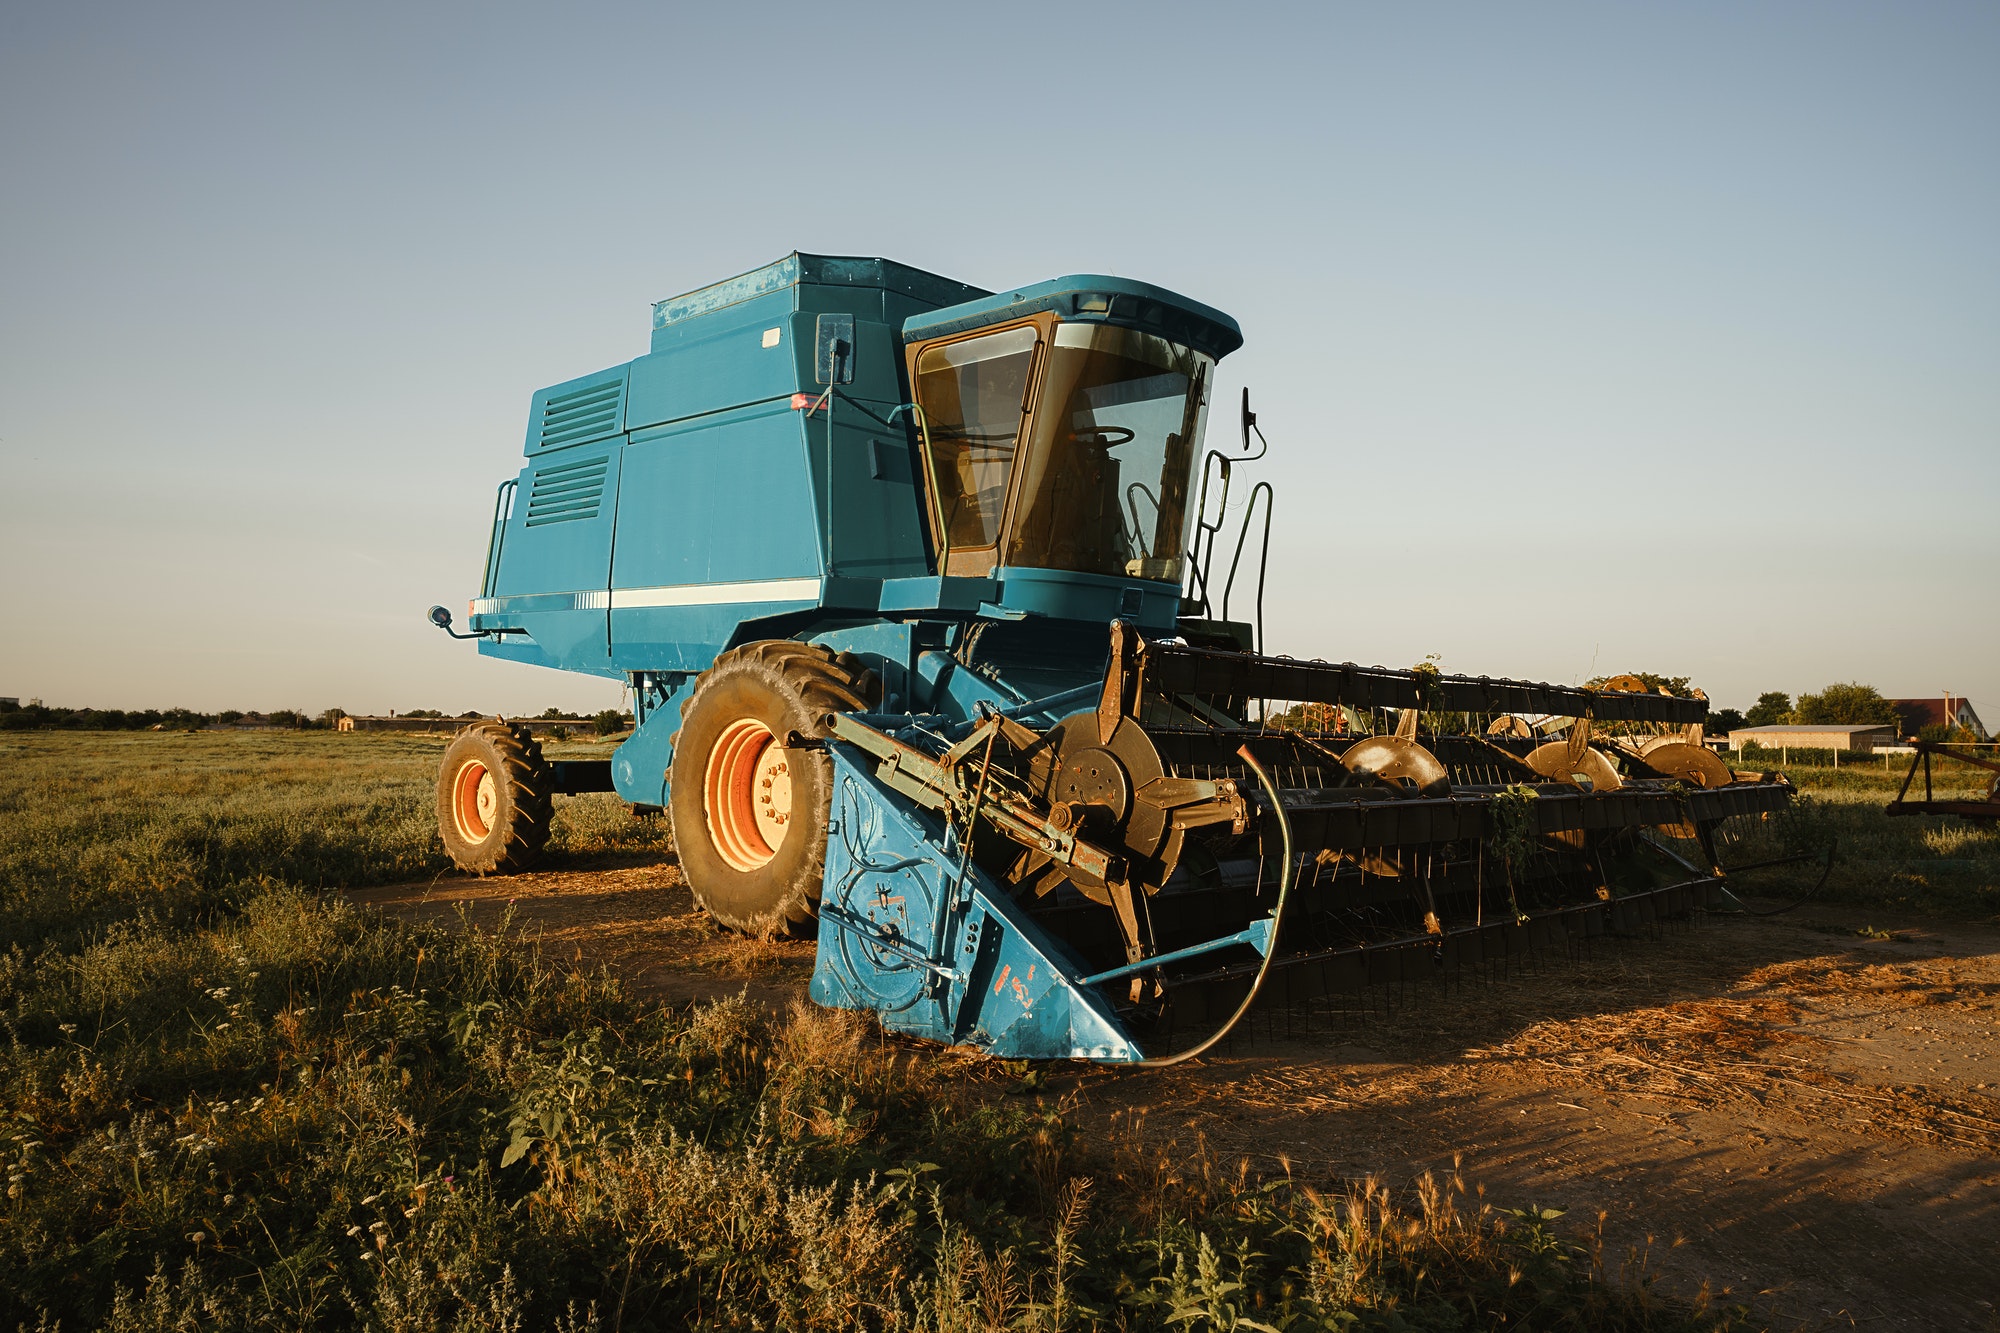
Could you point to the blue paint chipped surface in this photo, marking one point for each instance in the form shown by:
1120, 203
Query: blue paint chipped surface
936, 948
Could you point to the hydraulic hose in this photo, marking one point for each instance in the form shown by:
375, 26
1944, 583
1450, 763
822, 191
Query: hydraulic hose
1277, 922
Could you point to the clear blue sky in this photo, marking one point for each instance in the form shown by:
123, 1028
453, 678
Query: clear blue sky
1589, 338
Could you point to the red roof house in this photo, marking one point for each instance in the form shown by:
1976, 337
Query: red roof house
1938, 710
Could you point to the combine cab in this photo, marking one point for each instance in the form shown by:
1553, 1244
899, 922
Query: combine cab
911, 585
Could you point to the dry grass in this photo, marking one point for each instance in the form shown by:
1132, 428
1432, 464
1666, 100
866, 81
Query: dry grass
233, 1101
1938, 865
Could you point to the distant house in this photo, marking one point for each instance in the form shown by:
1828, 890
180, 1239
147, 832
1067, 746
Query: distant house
447, 725
1860, 739
1940, 710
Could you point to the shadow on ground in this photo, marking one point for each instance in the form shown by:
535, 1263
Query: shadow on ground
1797, 1111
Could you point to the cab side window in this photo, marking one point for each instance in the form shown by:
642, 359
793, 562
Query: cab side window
974, 396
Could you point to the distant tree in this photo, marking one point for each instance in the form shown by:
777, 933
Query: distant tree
1937, 732
553, 715
330, 718
1722, 721
10, 705
229, 717
1772, 709
1680, 685
1324, 718
608, 722
468, 717
1852, 704
287, 717
422, 712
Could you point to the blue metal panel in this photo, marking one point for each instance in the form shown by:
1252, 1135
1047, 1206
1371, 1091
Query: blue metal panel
934, 947
750, 338
878, 356
555, 558
687, 638
1067, 595
558, 537
936, 593
719, 296
591, 407
639, 765
877, 511
891, 650
573, 640
515, 648
717, 502
718, 362
751, 359
945, 686
879, 288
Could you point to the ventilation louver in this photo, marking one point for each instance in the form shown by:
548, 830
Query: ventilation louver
567, 492
581, 414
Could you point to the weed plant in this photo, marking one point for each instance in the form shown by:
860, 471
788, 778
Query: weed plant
230, 1100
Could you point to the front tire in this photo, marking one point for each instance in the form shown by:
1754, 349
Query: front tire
750, 813
494, 799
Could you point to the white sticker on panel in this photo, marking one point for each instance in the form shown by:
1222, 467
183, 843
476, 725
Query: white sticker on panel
770, 337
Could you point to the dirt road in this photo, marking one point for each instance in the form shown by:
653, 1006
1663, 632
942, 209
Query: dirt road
1802, 1111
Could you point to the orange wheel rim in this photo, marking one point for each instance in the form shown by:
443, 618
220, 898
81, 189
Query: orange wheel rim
747, 795
475, 801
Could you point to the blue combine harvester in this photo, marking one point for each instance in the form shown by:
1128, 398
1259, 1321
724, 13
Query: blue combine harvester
910, 583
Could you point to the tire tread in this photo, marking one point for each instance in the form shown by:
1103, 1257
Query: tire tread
826, 682
531, 785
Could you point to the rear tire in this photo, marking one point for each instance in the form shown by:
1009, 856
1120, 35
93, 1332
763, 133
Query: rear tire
749, 814
494, 799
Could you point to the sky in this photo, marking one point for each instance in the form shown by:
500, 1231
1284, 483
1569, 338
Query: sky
1587, 338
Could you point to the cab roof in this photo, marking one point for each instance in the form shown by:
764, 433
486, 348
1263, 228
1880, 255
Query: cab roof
1095, 298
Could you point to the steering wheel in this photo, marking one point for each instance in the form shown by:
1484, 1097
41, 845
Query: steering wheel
1104, 437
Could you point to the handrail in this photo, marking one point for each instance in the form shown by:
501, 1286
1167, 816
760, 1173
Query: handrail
1263, 557
1200, 558
1133, 505
497, 538
935, 505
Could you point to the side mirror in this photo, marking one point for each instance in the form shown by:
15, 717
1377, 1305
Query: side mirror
1249, 419
833, 350
441, 618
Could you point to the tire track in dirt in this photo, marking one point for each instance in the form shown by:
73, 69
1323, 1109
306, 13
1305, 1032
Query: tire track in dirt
1807, 1119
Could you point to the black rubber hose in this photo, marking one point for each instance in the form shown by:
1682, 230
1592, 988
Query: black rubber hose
1277, 920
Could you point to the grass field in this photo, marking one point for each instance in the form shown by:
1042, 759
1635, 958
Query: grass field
1936, 866
232, 1100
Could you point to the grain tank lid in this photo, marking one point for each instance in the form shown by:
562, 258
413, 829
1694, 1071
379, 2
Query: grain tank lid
796, 269
1092, 297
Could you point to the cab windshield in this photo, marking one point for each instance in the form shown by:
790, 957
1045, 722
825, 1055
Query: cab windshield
1105, 471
